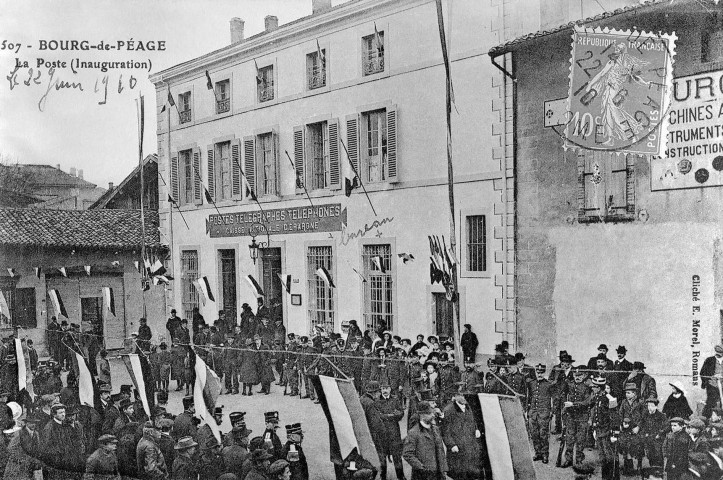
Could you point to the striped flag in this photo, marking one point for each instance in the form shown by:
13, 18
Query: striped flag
248, 191
4, 308
11, 271
171, 102
348, 429
255, 286
87, 269
135, 370
22, 369
86, 390
379, 262
157, 268
324, 274
205, 393
204, 289
501, 418
378, 41
63, 272
138, 265
109, 299
285, 281
57, 302
363, 278
37, 271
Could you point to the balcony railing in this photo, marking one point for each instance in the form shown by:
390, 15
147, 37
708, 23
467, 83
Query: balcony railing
185, 116
317, 79
223, 106
373, 65
266, 93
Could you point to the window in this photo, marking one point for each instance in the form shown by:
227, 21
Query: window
21, 303
321, 296
223, 159
8, 292
476, 243
265, 81
316, 69
189, 273
266, 156
223, 96
187, 176
227, 258
318, 144
606, 186
184, 107
378, 292
374, 146
373, 53
711, 42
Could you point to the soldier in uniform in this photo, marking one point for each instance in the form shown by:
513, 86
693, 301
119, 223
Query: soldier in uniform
236, 450
539, 408
185, 425
576, 411
448, 378
291, 367
602, 426
560, 376
306, 360
518, 381
294, 454
271, 439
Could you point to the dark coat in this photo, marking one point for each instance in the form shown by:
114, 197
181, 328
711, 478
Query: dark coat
675, 449
374, 420
277, 450
184, 426
707, 370
22, 450
101, 466
166, 444
391, 412
469, 344
233, 458
247, 369
422, 447
54, 441
458, 429
300, 469
256, 474
184, 468
149, 460
677, 407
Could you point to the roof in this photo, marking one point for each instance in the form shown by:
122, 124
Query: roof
111, 193
49, 175
10, 198
644, 5
119, 229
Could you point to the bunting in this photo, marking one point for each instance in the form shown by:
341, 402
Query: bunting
379, 263
324, 274
22, 367
248, 191
4, 308
109, 299
350, 185
38, 270
258, 291
87, 269
285, 281
204, 289
205, 393
57, 303
63, 272
135, 370
86, 384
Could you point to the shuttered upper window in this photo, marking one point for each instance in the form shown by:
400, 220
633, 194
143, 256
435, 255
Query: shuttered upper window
223, 96
187, 176
184, 107
372, 144
224, 170
186, 183
316, 156
606, 186
261, 164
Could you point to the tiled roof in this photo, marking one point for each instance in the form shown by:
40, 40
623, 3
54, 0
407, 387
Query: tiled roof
77, 228
49, 175
512, 44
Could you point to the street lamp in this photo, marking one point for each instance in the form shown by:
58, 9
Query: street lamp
254, 246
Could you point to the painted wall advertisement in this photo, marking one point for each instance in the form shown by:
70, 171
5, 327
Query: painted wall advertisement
694, 157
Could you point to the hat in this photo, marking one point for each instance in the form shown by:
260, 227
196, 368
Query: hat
519, 356
260, 454
164, 423
372, 386
162, 396
429, 338
599, 382
602, 346
566, 359
340, 341
631, 387
467, 325
384, 383
696, 423
56, 407
125, 403
271, 417
294, 428
291, 336
105, 388
424, 408
218, 410
540, 368
678, 385
185, 442
426, 395
187, 402
115, 398
652, 399
107, 439
638, 366
430, 362
304, 339
240, 429
236, 417
126, 389
677, 420
621, 349
278, 467
719, 348
562, 353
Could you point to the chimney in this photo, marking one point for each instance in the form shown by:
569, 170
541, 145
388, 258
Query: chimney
57, 165
110, 185
237, 30
72, 171
320, 6
80, 173
271, 22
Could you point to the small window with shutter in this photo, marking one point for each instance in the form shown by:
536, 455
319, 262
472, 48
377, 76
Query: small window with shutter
187, 176
225, 172
606, 186
184, 107
377, 145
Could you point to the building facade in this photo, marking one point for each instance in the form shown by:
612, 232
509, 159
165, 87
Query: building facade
292, 115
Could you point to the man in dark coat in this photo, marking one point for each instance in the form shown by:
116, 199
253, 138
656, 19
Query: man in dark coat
103, 463
172, 324
236, 450
271, 439
144, 336
294, 454
374, 417
391, 412
184, 465
576, 410
461, 437
149, 458
539, 408
247, 322
675, 450
601, 349
560, 376
622, 368
710, 374
55, 441
260, 460
469, 344
54, 334
652, 432
423, 448
185, 425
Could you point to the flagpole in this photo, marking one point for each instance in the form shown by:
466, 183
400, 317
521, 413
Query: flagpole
140, 109
168, 154
357, 176
303, 184
204, 188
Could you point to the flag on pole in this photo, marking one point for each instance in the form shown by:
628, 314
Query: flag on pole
87, 269
363, 278
378, 41
171, 200
37, 271
204, 288
503, 422
406, 257
4, 308
138, 265
11, 271
259, 81
57, 302
109, 299
63, 272
22, 369
171, 102
348, 429
205, 393
285, 281
258, 291
157, 268
350, 185
324, 274
86, 390
209, 83
320, 54
207, 194
379, 262
163, 108
164, 279
248, 191
135, 370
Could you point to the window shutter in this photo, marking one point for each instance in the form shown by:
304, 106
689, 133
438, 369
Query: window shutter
277, 174
250, 163
392, 175
197, 196
581, 186
211, 173
299, 157
352, 140
334, 164
25, 315
630, 183
236, 169
174, 179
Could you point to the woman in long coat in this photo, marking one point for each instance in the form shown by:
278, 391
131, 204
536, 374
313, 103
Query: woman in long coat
248, 375
460, 435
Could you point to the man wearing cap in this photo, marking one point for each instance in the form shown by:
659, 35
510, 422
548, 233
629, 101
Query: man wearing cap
632, 407
149, 458
539, 408
271, 439
184, 465
260, 461
236, 449
391, 412
576, 411
103, 463
185, 425
675, 449
54, 441
308, 351
695, 429
423, 448
517, 378
710, 375
652, 432
294, 453
125, 417
601, 425
469, 344
460, 435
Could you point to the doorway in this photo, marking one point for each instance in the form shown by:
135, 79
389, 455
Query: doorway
443, 315
228, 282
91, 316
270, 268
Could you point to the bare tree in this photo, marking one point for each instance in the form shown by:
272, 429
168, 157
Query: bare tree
13, 177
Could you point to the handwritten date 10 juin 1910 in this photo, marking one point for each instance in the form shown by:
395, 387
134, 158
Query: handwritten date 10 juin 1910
51, 83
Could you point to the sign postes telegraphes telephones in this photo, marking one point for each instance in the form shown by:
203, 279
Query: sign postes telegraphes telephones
620, 86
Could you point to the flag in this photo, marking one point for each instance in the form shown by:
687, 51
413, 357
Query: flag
138, 265
86, 390
322, 57
248, 191
63, 272
157, 268
205, 393
209, 83
446, 255
379, 262
163, 108
171, 102
135, 370
350, 185
4, 308
171, 200
164, 279
22, 369
435, 274
147, 264
343, 218
57, 302
11, 271
378, 41
285, 281
324, 274
37, 271
259, 81
363, 278
204, 289
406, 257
87, 269
255, 286
109, 299
348, 429
503, 422
207, 195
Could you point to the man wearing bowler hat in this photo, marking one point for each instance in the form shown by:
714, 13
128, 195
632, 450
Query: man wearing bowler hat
423, 447
645, 383
294, 453
461, 436
184, 465
710, 374
601, 349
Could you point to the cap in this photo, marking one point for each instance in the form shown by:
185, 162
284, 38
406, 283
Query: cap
187, 402
105, 388
599, 381
236, 417
679, 420
260, 454
185, 442
372, 386
424, 408
271, 417
540, 368
652, 399
294, 428
631, 387
278, 467
696, 423
719, 348
107, 439
218, 410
